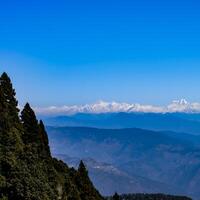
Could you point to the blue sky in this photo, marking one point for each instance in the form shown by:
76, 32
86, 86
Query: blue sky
76, 52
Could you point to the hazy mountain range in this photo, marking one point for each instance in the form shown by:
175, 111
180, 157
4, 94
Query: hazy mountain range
163, 160
153, 152
178, 122
109, 179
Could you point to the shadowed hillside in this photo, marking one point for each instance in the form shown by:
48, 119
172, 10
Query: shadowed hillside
164, 157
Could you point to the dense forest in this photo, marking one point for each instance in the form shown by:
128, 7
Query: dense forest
27, 169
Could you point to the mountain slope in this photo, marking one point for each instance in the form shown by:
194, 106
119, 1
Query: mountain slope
27, 169
157, 156
109, 179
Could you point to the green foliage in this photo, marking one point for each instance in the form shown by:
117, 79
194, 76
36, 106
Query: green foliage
30, 126
86, 188
11, 145
116, 197
44, 147
27, 170
8, 101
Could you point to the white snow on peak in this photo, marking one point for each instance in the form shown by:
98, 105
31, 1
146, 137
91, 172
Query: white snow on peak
114, 107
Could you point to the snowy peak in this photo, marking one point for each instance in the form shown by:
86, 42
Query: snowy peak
115, 107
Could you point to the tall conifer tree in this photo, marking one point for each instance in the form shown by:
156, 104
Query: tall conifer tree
27, 170
86, 188
45, 150
10, 142
116, 197
30, 125
82, 169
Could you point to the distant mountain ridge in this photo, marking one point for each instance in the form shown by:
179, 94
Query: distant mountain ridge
178, 122
158, 156
109, 179
116, 107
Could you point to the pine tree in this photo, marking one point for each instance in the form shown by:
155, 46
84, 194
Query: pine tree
30, 126
11, 145
40, 175
8, 100
45, 150
86, 188
82, 170
116, 197
27, 170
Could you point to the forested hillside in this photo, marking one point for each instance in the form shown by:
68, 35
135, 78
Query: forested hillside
27, 169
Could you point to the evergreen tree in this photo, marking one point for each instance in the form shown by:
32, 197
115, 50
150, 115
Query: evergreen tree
82, 170
116, 197
45, 150
8, 101
30, 126
39, 175
11, 145
27, 170
86, 188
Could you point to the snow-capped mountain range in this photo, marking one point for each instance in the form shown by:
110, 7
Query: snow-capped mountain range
114, 107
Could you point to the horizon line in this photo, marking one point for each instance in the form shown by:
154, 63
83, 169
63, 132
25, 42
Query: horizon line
101, 107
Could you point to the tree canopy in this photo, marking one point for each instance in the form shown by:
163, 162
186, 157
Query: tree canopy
27, 169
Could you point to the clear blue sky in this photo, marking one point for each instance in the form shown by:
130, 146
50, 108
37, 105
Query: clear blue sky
74, 52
